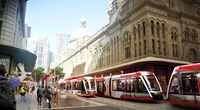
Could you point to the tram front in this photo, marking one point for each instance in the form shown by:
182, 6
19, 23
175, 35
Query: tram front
152, 85
90, 86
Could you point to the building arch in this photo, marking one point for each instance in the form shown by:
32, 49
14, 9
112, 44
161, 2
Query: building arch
192, 55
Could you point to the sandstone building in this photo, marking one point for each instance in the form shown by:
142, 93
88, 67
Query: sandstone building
150, 35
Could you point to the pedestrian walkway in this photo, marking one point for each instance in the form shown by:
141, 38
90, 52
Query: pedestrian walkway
30, 104
69, 102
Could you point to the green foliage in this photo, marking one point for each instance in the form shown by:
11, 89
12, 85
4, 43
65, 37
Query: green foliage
38, 73
58, 71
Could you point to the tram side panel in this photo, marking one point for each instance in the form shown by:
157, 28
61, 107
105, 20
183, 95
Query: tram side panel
131, 86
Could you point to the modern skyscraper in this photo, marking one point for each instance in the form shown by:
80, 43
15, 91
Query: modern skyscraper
40, 47
61, 42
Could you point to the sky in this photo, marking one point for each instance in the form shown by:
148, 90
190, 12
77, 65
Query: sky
63, 16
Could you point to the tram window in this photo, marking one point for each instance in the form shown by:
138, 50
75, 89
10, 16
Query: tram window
86, 85
174, 87
189, 83
123, 85
77, 85
152, 82
128, 85
132, 85
92, 84
68, 86
100, 87
141, 86
114, 85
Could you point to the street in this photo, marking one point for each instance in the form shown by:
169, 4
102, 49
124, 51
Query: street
73, 102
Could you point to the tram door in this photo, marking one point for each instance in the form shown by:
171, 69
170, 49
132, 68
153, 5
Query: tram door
190, 88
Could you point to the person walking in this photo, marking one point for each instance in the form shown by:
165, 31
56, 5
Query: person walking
23, 93
55, 93
49, 96
8, 86
39, 95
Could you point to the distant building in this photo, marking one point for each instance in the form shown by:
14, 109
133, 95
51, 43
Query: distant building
27, 35
62, 40
40, 47
142, 35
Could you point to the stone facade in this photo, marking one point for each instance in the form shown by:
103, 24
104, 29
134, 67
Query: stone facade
150, 35
12, 16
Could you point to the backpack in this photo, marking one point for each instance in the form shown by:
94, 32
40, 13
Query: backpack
7, 96
49, 94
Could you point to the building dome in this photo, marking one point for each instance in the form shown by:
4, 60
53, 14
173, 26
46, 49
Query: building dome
80, 32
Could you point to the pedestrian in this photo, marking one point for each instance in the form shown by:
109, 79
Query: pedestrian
8, 86
45, 93
55, 92
49, 96
39, 95
23, 93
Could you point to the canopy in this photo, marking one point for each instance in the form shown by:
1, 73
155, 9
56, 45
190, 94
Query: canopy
44, 77
19, 56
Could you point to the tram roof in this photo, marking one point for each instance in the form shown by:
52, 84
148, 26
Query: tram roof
19, 56
189, 67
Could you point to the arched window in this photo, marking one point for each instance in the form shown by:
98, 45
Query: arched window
175, 50
152, 28
164, 48
144, 29
163, 30
135, 50
126, 39
134, 32
153, 46
158, 29
171, 3
140, 53
139, 31
187, 33
173, 34
193, 35
159, 45
192, 55
145, 47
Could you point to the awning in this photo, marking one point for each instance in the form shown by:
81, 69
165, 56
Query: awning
18, 55
44, 77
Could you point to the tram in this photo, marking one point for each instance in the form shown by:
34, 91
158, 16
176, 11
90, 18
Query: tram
184, 86
141, 85
82, 86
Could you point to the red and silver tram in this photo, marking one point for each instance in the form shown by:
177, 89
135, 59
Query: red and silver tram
140, 85
184, 86
82, 86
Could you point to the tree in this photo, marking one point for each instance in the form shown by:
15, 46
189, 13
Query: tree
38, 73
58, 71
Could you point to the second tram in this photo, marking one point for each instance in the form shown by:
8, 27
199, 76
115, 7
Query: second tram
184, 86
142, 85
82, 86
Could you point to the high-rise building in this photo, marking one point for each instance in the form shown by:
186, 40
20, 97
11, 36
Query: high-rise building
39, 45
27, 35
61, 42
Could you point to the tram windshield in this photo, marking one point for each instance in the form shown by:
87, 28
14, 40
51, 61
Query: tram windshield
152, 83
90, 84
